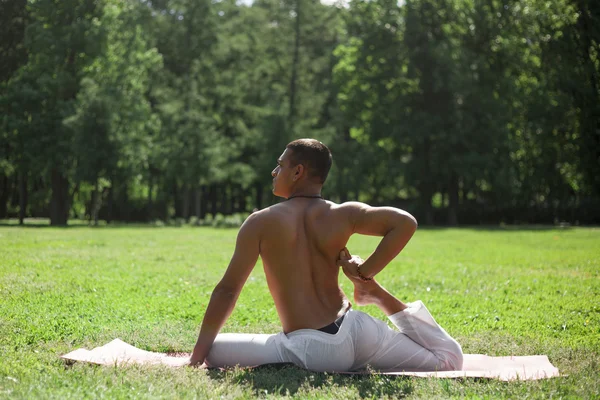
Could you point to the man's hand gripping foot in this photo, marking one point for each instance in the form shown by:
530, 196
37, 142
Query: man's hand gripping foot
365, 292
368, 292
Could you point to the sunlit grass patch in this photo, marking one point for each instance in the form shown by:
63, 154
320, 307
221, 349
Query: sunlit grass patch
500, 292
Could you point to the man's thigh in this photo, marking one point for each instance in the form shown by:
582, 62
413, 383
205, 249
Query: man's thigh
243, 349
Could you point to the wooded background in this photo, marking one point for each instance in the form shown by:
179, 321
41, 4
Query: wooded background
459, 111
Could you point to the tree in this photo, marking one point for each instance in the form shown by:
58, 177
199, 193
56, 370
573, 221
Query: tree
61, 42
13, 20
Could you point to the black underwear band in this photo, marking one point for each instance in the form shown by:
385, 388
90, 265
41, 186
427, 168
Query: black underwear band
333, 327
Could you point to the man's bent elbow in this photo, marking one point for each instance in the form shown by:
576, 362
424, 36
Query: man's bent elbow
413, 222
409, 222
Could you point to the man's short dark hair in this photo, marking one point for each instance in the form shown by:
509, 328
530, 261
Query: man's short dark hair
314, 155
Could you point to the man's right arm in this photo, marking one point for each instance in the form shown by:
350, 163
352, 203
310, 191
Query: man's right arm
396, 226
225, 294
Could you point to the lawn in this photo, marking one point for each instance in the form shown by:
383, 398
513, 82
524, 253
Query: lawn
498, 291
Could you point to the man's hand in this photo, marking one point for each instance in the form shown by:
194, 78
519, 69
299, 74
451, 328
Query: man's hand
350, 264
197, 365
178, 362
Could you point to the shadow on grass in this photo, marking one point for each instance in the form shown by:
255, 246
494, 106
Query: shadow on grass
287, 379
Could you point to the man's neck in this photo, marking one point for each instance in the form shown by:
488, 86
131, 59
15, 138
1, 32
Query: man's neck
305, 194
310, 190
308, 194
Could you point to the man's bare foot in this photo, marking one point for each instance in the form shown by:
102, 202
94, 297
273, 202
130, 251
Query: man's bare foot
366, 293
372, 292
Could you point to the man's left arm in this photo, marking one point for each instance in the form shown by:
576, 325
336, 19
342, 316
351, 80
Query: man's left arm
225, 294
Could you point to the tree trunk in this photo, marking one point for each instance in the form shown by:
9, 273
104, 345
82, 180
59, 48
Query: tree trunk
242, 200
426, 188
109, 202
176, 199
213, 199
343, 196
59, 201
93, 202
453, 200
149, 201
223, 203
123, 206
185, 203
164, 205
198, 202
22, 196
233, 197
96, 204
204, 202
426, 193
3, 195
123, 209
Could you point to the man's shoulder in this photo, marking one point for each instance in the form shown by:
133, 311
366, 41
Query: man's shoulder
259, 217
261, 221
352, 206
265, 212
255, 217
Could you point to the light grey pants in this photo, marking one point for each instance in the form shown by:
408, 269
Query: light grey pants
419, 344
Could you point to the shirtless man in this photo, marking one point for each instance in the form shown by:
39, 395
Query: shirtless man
302, 243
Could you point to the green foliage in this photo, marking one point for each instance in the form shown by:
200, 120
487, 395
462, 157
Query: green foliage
176, 108
458, 93
499, 291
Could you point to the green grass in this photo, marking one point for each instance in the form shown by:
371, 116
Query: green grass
498, 291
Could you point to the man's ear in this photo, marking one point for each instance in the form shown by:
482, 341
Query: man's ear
299, 171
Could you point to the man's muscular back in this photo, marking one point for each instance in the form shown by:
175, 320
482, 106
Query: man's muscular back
300, 241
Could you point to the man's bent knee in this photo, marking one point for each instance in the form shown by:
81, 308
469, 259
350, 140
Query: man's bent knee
453, 359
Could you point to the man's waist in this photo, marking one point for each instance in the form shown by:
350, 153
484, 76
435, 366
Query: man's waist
333, 327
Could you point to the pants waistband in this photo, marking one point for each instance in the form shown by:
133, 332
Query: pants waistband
333, 327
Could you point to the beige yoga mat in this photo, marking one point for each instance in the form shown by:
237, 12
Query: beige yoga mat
474, 366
